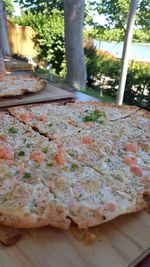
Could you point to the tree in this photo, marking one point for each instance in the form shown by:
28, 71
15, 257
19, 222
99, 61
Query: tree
9, 7
4, 43
116, 13
74, 16
2, 66
44, 6
144, 15
76, 69
49, 30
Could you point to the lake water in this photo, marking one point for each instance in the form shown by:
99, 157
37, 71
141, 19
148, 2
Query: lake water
137, 51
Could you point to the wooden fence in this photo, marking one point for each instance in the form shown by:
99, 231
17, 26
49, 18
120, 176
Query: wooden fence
21, 40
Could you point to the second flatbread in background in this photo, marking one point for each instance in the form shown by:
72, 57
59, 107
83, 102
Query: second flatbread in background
15, 85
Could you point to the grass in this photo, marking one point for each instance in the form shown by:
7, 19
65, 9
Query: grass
43, 73
94, 93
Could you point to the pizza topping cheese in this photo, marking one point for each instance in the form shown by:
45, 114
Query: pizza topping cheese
87, 170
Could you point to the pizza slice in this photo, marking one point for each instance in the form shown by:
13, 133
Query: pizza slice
121, 149
49, 123
57, 121
25, 158
11, 85
92, 198
99, 144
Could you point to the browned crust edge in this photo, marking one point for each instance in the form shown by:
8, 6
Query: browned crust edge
60, 221
100, 104
41, 85
138, 207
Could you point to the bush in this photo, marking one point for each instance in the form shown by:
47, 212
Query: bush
138, 83
49, 30
105, 69
118, 35
91, 63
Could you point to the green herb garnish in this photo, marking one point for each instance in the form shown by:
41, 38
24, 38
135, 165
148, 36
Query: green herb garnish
45, 149
28, 145
71, 153
21, 153
49, 164
73, 167
50, 124
12, 130
95, 116
27, 175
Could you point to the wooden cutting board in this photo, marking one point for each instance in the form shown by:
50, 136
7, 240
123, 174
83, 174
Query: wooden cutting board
12, 64
120, 243
50, 93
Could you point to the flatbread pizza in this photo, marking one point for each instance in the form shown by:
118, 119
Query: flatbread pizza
15, 85
83, 163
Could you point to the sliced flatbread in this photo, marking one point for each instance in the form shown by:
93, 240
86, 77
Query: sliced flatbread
15, 85
42, 184
57, 121
113, 140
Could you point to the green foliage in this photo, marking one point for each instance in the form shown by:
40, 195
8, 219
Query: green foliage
9, 8
138, 82
98, 62
110, 35
88, 15
49, 34
91, 60
105, 69
143, 17
116, 13
139, 35
44, 6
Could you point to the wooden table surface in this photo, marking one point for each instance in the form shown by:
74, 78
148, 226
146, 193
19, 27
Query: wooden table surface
143, 241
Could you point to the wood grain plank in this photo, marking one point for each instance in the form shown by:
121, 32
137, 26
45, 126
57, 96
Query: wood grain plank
50, 93
119, 243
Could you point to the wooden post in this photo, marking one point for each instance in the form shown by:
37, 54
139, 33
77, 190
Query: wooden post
76, 68
125, 54
4, 43
2, 66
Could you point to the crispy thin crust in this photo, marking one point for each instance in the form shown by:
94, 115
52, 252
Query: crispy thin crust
87, 222
101, 104
129, 109
40, 85
9, 236
56, 217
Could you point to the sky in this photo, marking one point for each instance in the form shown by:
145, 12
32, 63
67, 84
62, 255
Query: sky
17, 9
